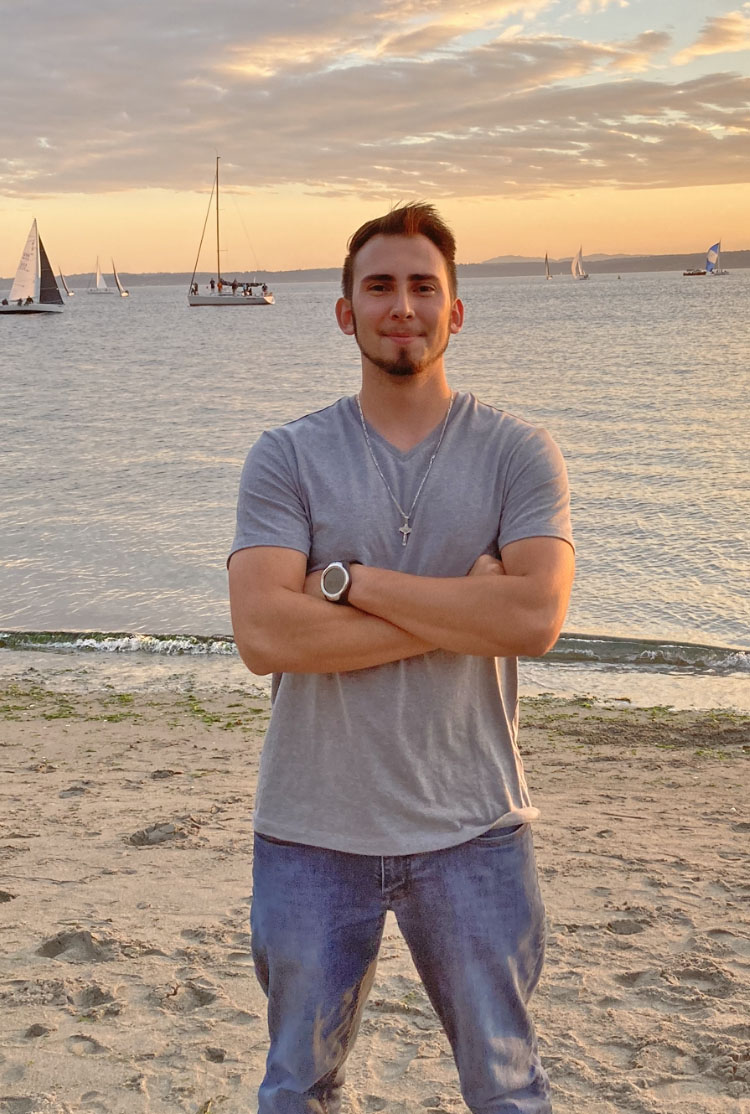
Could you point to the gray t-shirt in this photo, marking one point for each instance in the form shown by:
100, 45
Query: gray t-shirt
420, 754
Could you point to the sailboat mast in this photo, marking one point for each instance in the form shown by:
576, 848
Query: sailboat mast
218, 250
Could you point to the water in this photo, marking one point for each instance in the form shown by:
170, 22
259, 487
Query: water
125, 422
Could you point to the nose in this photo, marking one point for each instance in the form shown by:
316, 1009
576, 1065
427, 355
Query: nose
401, 306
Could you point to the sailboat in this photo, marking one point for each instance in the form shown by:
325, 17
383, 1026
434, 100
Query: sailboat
123, 292
576, 266
35, 288
713, 260
100, 286
546, 267
220, 292
66, 288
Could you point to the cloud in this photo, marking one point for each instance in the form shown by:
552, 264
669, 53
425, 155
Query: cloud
638, 55
721, 35
383, 100
586, 6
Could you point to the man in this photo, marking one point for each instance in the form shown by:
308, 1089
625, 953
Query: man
394, 553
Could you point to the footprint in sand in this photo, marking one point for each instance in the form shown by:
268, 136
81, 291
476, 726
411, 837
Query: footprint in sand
38, 1030
95, 1102
22, 1104
184, 999
81, 1045
738, 944
161, 833
78, 946
626, 927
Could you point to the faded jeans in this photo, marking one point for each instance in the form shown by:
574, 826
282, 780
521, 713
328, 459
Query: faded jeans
473, 919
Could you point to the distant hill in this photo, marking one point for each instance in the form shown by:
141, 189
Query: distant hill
502, 267
540, 258
605, 264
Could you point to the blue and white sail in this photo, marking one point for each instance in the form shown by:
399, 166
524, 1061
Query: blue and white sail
713, 260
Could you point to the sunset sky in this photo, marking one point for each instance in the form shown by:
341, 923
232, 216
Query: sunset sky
535, 125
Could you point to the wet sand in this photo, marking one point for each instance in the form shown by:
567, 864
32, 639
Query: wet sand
126, 984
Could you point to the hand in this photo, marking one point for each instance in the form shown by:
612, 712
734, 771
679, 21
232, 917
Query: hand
487, 566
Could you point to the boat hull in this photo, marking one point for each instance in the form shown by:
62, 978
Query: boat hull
230, 299
35, 308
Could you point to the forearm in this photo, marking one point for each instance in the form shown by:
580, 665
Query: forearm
290, 632
488, 616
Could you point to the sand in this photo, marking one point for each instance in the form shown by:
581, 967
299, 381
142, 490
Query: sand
126, 984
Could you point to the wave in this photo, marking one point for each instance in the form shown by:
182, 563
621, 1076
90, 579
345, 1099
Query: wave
114, 642
654, 655
651, 654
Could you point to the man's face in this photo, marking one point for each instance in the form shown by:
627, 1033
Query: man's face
401, 312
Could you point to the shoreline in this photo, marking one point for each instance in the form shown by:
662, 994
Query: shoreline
125, 855
180, 666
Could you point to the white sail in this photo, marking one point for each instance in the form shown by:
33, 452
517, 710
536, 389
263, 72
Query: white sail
66, 288
100, 285
27, 280
576, 267
34, 288
123, 292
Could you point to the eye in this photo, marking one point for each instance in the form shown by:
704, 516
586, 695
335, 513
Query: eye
425, 288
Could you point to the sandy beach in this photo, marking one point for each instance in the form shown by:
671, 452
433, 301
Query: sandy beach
125, 853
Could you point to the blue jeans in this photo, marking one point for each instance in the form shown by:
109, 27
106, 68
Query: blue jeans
473, 919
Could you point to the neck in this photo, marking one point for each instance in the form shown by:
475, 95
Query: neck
404, 411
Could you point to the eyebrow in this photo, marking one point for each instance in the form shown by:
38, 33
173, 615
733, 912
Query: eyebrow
389, 278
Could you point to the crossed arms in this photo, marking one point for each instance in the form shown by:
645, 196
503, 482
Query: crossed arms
283, 625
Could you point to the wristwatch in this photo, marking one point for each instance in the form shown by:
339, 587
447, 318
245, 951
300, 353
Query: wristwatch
335, 581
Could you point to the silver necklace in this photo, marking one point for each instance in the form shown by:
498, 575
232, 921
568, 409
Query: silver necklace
404, 529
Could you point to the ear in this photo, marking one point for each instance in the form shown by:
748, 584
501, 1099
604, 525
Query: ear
457, 316
345, 316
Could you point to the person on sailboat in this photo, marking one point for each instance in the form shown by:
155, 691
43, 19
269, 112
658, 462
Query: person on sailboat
394, 554
212, 284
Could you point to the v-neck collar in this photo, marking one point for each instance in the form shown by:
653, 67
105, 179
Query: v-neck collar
392, 449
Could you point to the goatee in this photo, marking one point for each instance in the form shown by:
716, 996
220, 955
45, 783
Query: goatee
403, 364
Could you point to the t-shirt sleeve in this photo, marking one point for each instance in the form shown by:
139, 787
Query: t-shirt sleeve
271, 508
536, 500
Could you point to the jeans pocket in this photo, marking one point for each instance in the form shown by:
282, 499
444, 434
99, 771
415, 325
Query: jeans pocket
278, 842
496, 837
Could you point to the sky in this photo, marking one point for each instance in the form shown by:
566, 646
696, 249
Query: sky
533, 125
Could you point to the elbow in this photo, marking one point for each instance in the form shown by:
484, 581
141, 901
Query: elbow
540, 637
254, 655
256, 662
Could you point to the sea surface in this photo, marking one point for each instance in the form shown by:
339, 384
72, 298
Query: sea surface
124, 424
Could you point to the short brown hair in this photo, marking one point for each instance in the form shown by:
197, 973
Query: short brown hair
417, 218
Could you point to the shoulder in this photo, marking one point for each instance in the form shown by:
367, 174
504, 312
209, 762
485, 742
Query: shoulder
303, 435
311, 427
509, 431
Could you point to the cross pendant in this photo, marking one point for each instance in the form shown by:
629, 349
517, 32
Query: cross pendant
405, 530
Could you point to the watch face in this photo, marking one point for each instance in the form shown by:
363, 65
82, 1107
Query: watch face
335, 580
